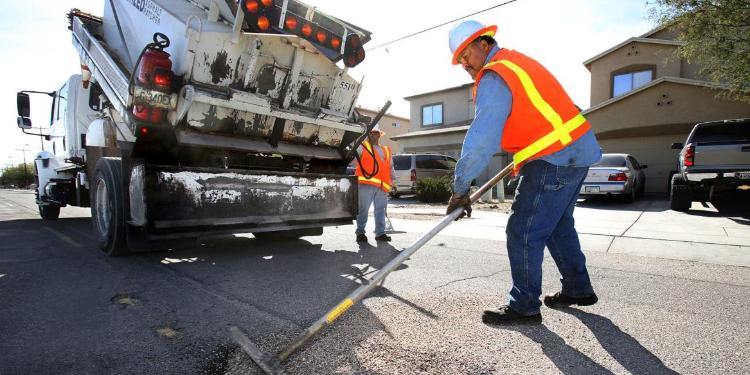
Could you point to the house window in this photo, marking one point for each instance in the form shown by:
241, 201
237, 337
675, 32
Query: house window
432, 114
626, 82
396, 125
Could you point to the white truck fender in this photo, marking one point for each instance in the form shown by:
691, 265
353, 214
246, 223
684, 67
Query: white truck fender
100, 134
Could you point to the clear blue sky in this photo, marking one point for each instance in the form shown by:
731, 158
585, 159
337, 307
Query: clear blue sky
38, 55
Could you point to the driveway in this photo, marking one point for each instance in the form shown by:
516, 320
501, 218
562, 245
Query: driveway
645, 228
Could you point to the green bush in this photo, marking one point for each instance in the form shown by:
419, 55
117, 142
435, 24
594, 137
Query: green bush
434, 189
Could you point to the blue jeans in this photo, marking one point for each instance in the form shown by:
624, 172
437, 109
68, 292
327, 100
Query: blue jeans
368, 195
542, 214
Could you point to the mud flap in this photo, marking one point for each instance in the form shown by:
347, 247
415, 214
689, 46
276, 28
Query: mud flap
195, 199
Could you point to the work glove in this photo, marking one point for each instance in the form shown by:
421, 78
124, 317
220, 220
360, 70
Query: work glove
458, 200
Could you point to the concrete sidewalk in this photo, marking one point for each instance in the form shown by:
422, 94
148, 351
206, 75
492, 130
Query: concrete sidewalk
646, 228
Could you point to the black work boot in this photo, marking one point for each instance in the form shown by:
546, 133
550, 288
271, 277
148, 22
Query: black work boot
361, 238
559, 300
383, 237
505, 315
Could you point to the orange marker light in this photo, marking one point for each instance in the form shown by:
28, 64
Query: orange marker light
307, 30
267, 3
321, 36
251, 6
335, 43
291, 23
263, 23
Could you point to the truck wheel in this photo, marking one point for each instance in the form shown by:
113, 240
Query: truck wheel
680, 198
49, 211
291, 234
107, 207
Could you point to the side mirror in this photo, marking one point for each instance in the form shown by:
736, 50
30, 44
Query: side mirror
23, 104
677, 146
23, 122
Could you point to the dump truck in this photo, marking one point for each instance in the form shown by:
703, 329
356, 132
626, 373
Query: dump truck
197, 117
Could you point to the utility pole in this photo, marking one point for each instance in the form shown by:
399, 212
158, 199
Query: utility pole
25, 171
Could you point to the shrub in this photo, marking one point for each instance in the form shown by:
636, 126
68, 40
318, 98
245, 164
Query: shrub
434, 189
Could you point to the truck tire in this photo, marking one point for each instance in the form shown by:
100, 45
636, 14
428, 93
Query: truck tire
291, 234
107, 207
680, 198
49, 211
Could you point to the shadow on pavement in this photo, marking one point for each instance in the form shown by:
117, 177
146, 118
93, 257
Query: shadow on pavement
625, 349
566, 358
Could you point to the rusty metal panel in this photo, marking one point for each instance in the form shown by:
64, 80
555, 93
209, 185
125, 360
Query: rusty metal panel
188, 198
299, 132
209, 118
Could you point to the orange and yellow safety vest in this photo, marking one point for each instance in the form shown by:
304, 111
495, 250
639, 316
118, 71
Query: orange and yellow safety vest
543, 118
382, 179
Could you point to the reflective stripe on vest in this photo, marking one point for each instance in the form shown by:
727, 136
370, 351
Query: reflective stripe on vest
374, 181
561, 131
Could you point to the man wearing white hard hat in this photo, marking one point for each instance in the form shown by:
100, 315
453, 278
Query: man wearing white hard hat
375, 176
523, 109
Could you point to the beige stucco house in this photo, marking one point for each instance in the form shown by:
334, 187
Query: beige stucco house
392, 125
643, 99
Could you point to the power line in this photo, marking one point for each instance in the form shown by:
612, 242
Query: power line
442, 24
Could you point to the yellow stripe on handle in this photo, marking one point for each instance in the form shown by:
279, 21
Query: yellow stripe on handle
340, 309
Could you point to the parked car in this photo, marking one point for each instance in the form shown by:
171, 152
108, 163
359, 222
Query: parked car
411, 168
615, 175
714, 162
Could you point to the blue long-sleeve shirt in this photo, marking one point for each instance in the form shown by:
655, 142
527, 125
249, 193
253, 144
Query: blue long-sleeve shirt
493, 105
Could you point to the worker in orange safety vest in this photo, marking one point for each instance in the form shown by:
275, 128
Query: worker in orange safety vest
375, 176
523, 109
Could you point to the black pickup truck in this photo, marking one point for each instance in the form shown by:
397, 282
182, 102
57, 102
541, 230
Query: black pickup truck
714, 162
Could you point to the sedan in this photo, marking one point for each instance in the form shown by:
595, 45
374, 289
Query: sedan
615, 175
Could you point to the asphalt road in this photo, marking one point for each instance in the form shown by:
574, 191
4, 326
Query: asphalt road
68, 309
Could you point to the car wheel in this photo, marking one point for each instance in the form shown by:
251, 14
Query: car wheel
107, 207
679, 195
630, 197
49, 211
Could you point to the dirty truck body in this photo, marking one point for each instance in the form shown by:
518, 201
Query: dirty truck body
245, 126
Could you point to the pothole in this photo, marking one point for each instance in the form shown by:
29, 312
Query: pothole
167, 332
124, 300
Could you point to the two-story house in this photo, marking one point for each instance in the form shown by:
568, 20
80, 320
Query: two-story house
644, 98
391, 124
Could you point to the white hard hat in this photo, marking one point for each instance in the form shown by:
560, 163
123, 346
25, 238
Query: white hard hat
466, 32
377, 129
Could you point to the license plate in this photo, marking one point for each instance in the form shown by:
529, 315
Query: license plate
591, 189
743, 175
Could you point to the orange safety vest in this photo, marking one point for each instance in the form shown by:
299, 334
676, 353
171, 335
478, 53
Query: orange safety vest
382, 179
543, 118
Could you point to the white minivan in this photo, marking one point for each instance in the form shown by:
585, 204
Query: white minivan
410, 168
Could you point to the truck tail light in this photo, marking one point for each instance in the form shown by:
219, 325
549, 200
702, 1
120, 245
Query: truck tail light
354, 52
621, 176
153, 73
413, 175
689, 158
